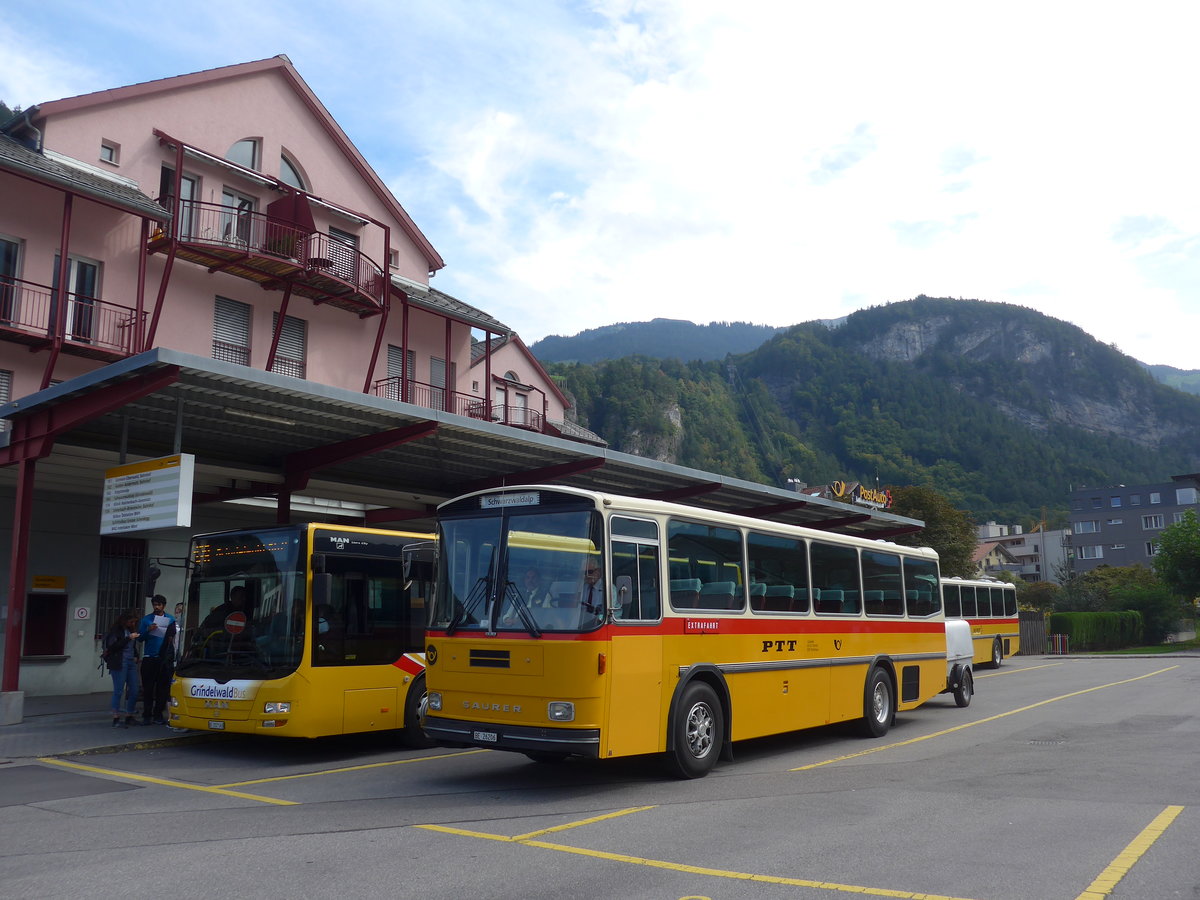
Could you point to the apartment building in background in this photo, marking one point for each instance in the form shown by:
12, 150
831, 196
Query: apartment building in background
1119, 525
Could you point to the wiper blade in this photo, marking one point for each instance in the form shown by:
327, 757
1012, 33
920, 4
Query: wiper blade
478, 592
513, 596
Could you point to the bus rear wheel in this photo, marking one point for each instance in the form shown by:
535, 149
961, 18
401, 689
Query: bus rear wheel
878, 704
697, 731
997, 654
414, 711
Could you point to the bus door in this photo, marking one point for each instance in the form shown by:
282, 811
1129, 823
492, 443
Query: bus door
635, 712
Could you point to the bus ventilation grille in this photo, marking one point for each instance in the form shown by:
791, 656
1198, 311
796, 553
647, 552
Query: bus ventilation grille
490, 659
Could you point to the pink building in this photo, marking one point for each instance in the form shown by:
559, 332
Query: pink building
224, 215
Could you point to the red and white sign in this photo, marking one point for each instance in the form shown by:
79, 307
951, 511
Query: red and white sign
235, 622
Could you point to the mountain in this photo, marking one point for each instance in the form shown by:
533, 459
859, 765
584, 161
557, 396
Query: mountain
1001, 408
660, 338
1183, 379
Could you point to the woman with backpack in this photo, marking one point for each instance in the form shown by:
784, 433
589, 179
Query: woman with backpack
121, 658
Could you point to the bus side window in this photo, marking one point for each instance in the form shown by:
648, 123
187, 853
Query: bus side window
635, 567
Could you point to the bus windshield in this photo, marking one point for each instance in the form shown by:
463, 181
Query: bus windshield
246, 610
521, 570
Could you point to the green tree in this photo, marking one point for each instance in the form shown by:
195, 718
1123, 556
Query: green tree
949, 531
1177, 561
1160, 608
1039, 595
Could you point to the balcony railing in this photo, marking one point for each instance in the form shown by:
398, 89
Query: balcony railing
433, 397
252, 245
91, 327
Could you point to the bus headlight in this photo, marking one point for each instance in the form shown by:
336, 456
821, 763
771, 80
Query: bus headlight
277, 707
434, 699
561, 711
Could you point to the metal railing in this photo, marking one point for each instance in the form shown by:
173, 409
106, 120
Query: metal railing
32, 308
433, 397
218, 226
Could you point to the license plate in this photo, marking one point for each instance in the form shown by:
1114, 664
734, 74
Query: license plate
216, 725
485, 736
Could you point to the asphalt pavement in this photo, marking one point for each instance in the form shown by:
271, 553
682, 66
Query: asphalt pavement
79, 724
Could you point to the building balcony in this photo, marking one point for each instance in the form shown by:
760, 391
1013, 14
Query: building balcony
275, 254
433, 397
94, 328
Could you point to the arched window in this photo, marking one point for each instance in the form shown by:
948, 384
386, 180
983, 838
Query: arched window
244, 153
511, 376
289, 173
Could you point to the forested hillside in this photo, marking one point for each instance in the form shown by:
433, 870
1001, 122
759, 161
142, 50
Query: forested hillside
1001, 408
659, 338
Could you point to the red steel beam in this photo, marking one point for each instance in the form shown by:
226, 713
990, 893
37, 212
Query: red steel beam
33, 435
299, 466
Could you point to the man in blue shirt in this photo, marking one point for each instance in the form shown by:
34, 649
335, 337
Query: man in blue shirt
158, 630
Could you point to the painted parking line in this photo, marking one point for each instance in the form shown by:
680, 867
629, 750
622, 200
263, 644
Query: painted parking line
363, 767
1119, 867
166, 782
526, 841
1011, 712
1015, 671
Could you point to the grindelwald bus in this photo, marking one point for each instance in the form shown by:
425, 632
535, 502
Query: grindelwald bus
710, 628
990, 606
305, 631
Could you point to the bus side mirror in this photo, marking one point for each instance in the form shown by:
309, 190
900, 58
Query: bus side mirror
622, 594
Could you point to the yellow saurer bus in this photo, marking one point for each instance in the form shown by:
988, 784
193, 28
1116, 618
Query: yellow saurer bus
305, 631
990, 606
570, 622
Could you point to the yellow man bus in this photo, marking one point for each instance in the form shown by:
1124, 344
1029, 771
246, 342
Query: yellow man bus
305, 631
710, 628
990, 606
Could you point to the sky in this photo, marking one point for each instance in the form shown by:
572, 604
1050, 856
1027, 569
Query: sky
578, 164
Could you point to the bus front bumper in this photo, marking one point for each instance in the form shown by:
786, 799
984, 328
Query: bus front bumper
520, 738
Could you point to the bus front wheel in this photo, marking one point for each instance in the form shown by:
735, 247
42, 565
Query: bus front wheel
878, 706
414, 710
997, 654
697, 732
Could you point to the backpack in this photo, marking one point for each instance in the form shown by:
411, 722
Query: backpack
111, 652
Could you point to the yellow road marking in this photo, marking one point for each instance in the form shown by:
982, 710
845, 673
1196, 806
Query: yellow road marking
166, 782
394, 762
691, 870
1119, 867
1013, 671
593, 819
1011, 712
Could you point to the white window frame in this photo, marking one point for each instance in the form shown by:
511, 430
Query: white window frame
1091, 551
1153, 522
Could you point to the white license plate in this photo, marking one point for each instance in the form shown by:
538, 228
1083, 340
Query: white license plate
216, 725
486, 736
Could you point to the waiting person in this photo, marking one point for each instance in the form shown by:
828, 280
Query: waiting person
121, 659
157, 630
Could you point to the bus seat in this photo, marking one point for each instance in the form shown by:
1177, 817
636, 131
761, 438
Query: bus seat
924, 604
685, 592
892, 605
564, 590
758, 590
779, 597
850, 602
831, 600
718, 595
873, 601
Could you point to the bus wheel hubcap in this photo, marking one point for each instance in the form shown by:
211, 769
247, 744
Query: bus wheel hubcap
700, 725
880, 702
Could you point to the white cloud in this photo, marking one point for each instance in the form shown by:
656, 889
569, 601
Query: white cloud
583, 163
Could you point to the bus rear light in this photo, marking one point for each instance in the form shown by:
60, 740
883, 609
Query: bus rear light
601, 663
281, 706
561, 711
434, 700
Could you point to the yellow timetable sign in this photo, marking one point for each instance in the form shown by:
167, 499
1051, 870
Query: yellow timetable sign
153, 493
49, 582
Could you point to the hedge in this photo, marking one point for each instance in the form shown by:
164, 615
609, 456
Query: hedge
1099, 630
